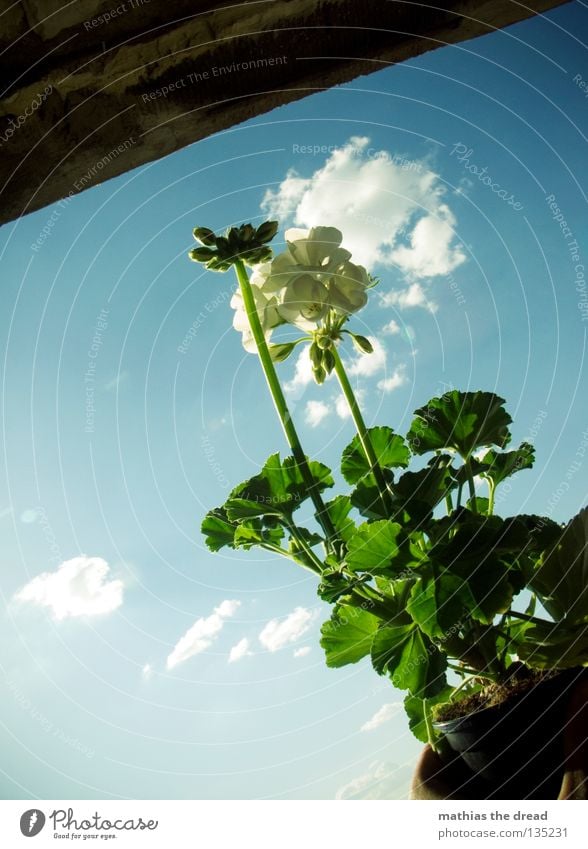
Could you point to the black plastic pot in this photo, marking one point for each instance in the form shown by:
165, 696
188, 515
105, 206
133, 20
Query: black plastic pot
516, 750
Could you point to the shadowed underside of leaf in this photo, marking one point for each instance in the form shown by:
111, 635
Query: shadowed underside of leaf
463, 421
390, 449
562, 579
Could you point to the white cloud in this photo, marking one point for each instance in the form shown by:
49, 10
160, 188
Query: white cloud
378, 202
342, 407
315, 412
227, 608
302, 374
391, 328
278, 634
366, 365
381, 781
240, 650
202, 633
384, 714
431, 252
78, 587
413, 296
302, 651
147, 671
396, 379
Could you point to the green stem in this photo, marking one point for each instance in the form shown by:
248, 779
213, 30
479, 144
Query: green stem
533, 619
361, 428
318, 566
432, 737
276, 549
491, 493
471, 486
280, 402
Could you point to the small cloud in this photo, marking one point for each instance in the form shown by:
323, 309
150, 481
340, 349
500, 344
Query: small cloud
147, 672
27, 517
413, 296
240, 650
341, 405
464, 187
315, 412
384, 714
431, 252
397, 378
278, 634
366, 365
391, 328
202, 633
227, 608
302, 374
302, 651
120, 378
78, 587
381, 781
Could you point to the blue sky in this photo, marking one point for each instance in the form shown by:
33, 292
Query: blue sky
115, 472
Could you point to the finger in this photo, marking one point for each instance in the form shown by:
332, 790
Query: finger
575, 780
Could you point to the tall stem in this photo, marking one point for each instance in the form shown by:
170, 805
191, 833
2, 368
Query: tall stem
280, 402
471, 485
361, 428
491, 493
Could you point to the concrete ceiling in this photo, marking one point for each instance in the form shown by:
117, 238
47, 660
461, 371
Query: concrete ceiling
93, 88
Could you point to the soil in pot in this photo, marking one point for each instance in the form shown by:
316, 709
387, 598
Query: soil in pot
511, 735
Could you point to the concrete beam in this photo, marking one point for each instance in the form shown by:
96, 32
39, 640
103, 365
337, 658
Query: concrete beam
94, 88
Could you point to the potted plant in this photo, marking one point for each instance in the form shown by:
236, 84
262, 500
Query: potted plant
481, 619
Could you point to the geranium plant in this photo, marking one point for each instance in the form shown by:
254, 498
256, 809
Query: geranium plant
444, 595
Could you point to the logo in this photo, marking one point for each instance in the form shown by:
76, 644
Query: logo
32, 822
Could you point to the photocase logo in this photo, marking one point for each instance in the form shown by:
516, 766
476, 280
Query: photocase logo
32, 822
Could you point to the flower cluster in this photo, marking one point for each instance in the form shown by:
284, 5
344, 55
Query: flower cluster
243, 243
302, 285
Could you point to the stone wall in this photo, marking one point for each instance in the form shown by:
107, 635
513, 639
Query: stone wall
92, 89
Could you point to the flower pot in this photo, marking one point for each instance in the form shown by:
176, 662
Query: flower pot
516, 749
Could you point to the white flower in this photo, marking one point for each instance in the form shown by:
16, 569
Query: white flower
348, 288
266, 309
314, 275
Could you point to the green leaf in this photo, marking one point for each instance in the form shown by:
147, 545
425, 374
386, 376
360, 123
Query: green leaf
418, 493
240, 509
347, 636
390, 449
309, 538
366, 498
381, 548
438, 602
554, 646
478, 504
487, 590
463, 421
561, 580
333, 585
501, 465
417, 709
253, 533
338, 510
411, 660
205, 236
278, 489
218, 530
